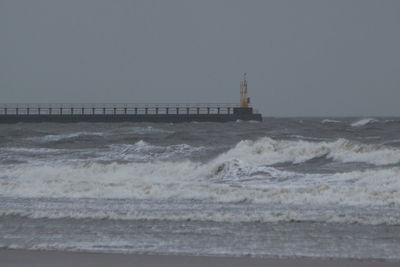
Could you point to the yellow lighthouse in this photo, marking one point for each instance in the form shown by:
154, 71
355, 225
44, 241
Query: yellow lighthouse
244, 99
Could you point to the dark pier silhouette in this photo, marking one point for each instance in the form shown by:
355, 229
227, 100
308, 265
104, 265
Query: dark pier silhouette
13, 113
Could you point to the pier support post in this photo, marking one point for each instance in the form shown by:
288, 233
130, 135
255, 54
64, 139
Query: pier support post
198, 111
125, 110
218, 110
135, 111
167, 110
157, 111
208, 110
115, 111
49, 111
104, 111
146, 110
187, 111
27, 111
177, 110
72, 111
93, 111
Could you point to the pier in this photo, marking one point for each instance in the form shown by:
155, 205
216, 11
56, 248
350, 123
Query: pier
129, 112
13, 113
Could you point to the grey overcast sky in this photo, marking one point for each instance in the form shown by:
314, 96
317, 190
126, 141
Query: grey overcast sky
303, 57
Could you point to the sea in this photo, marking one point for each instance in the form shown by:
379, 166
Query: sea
284, 187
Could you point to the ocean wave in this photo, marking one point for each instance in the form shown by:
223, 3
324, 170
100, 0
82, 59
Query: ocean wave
296, 136
140, 151
143, 151
330, 121
31, 150
363, 122
63, 137
233, 216
76, 135
262, 152
139, 130
222, 181
267, 151
244, 173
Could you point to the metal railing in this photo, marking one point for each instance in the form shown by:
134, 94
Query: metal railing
116, 109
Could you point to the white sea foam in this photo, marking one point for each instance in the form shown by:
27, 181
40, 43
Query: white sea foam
59, 137
201, 215
143, 151
31, 150
243, 173
321, 193
308, 137
267, 151
211, 181
142, 130
363, 122
126, 130
330, 121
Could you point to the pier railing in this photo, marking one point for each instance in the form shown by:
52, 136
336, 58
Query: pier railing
116, 109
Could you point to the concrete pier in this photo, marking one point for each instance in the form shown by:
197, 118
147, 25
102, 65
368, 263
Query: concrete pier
14, 113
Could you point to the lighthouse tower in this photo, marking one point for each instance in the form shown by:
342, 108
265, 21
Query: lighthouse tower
244, 99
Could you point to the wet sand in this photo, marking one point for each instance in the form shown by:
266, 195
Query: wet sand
19, 258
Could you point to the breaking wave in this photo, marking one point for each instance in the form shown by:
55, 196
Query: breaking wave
215, 215
244, 174
32, 150
142, 151
263, 152
229, 181
76, 135
62, 137
267, 151
363, 122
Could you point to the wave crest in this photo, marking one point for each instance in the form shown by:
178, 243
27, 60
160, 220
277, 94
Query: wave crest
214, 181
363, 122
64, 137
215, 215
142, 151
267, 151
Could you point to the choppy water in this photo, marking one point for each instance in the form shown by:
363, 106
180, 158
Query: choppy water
283, 187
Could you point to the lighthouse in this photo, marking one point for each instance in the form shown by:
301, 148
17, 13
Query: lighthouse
244, 99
